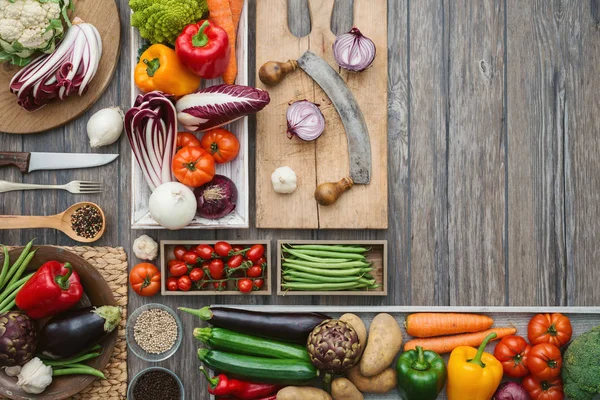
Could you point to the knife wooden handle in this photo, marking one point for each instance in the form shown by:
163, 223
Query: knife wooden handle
19, 160
328, 193
273, 72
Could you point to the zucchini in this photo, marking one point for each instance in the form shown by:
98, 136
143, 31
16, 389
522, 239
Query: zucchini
259, 369
240, 343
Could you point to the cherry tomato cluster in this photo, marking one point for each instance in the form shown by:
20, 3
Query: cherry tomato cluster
538, 363
213, 267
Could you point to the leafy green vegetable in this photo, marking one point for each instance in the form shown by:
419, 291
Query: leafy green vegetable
161, 21
581, 366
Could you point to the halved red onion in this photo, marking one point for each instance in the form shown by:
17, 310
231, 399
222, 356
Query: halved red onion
353, 51
305, 120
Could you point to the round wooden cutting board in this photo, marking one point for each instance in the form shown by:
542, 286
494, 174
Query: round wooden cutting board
104, 15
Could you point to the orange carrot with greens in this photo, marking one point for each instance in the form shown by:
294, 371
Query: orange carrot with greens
445, 344
220, 14
437, 324
236, 12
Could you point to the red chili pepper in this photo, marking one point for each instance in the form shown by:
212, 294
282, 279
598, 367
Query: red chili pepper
54, 288
221, 385
204, 48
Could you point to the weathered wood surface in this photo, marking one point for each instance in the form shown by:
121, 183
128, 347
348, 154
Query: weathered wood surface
494, 185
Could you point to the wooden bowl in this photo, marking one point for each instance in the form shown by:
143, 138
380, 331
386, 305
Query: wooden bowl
96, 293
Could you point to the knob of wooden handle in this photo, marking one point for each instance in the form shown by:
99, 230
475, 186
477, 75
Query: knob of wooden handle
328, 193
273, 72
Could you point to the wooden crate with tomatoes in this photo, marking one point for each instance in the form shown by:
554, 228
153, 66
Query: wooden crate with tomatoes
205, 267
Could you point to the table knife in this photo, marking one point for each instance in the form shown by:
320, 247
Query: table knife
27, 162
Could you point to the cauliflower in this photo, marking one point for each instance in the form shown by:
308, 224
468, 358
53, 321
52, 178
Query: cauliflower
30, 26
161, 21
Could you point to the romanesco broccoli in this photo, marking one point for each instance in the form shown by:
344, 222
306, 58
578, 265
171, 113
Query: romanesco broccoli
581, 366
161, 21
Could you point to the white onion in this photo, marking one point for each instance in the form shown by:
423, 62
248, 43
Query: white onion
173, 205
105, 126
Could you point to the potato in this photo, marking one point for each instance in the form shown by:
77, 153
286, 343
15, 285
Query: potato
380, 383
343, 389
383, 344
355, 322
302, 393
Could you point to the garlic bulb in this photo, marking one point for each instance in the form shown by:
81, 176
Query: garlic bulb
35, 376
145, 248
284, 180
105, 127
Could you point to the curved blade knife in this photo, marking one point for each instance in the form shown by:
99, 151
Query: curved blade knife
357, 133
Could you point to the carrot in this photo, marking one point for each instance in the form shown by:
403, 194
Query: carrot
236, 12
445, 344
220, 14
437, 324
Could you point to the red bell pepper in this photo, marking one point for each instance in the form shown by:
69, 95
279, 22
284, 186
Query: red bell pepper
272, 397
204, 48
221, 385
54, 288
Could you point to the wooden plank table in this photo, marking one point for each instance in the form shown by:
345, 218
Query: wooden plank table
494, 174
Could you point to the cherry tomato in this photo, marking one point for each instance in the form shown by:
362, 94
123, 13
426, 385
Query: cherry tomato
220, 286
255, 252
544, 361
215, 268
258, 284
191, 258
235, 261
222, 249
172, 284
244, 285
184, 283
543, 390
179, 251
205, 252
261, 261
237, 249
549, 328
512, 351
177, 268
196, 274
255, 271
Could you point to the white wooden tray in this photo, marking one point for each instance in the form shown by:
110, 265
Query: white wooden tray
582, 318
237, 170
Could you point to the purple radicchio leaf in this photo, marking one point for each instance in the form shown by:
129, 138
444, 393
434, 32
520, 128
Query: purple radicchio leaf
219, 105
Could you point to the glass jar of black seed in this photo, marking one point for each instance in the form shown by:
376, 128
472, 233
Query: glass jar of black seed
156, 384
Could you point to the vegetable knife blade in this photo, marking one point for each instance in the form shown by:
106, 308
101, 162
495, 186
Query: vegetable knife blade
28, 162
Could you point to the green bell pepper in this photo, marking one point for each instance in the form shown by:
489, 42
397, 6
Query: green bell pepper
421, 374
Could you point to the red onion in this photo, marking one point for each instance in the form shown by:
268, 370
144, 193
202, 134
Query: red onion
511, 391
69, 69
217, 198
305, 120
354, 51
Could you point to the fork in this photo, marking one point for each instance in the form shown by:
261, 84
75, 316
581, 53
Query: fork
76, 187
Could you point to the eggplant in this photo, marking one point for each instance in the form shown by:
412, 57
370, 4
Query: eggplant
284, 326
71, 333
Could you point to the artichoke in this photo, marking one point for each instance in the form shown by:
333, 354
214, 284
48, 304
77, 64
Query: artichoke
17, 338
333, 347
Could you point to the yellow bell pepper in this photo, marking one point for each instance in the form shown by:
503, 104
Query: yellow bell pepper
472, 373
160, 69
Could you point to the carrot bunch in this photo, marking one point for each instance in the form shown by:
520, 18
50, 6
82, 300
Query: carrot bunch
226, 14
443, 332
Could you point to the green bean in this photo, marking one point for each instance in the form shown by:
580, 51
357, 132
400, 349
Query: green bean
4, 267
74, 360
17, 263
10, 298
330, 254
349, 264
329, 247
315, 259
325, 272
8, 307
9, 290
78, 371
319, 278
22, 268
70, 366
321, 286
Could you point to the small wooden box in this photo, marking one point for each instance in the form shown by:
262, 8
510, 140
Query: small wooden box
377, 254
166, 255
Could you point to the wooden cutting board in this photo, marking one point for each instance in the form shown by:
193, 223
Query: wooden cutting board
326, 159
104, 15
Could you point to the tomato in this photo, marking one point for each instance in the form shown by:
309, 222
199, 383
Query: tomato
184, 283
222, 249
186, 139
544, 361
145, 279
255, 252
215, 268
177, 268
237, 249
196, 274
191, 258
255, 271
261, 261
179, 251
235, 261
244, 285
220, 286
205, 252
543, 390
193, 166
549, 328
512, 352
221, 144
258, 284
172, 284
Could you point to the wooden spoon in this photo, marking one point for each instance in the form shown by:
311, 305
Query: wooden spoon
61, 221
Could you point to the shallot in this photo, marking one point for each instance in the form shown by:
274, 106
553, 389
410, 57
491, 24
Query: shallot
305, 120
353, 51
